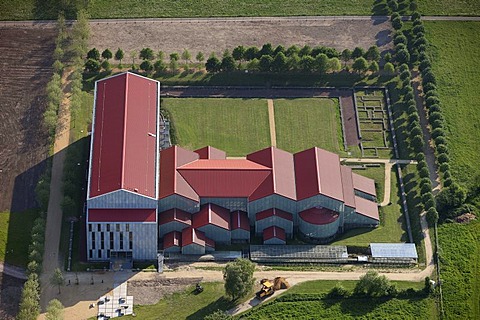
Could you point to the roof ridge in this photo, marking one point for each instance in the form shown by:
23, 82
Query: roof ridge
125, 104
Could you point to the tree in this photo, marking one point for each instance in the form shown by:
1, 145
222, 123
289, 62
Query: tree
265, 63
292, 50
450, 197
186, 56
393, 5
218, 315
397, 23
133, 55
107, 54
306, 50
372, 54
105, 65
335, 65
58, 67
400, 38
119, 55
160, 55
279, 49
93, 54
357, 53
388, 57
29, 308
279, 63
338, 291
373, 285
213, 64
146, 66
238, 53
159, 66
389, 68
346, 55
402, 56
92, 65
200, 57
373, 67
147, 54
321, 63
415, 16
413, 7
57, 279
266, 50
307, 63
360, 65
54, 310
238, 276
174, 56
251, 53
228, 63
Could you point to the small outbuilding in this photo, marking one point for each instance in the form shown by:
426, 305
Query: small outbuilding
394, 253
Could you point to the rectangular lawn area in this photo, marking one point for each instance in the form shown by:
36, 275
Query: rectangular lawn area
237, 126
308, 122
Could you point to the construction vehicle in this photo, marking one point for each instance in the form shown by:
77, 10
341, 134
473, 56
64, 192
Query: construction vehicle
267, 289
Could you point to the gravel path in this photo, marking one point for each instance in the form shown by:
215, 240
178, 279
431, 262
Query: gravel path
271, 122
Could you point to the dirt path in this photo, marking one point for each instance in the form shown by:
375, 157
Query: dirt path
271, 122
54, 213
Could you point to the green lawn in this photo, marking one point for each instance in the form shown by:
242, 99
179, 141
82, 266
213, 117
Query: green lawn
460, 269
391, 228
187, 305
15, 231
323, 286
304, 123
237, 126
30, 9
455, 48
449, 7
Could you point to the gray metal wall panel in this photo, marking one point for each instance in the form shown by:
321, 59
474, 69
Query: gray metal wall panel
216, 234
240, 234
318, 231
274, 241
286, 225
193, 249
231, 204
121, 199
322, 201
273, 201
169, 227
173, 250
179, 202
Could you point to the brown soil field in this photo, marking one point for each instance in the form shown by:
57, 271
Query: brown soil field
25, 69
216, 35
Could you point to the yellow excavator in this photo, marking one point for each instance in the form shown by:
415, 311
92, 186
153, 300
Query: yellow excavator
267, 289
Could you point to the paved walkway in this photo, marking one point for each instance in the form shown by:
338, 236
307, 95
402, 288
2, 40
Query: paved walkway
54, 212
271, 122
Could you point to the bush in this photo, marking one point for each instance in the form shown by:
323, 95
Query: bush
402, 56
92, 65
413, 117
93, 54
443, 158
389, 68
105, 65
373, 285
424, 173
440, 140
400, 38
431, 100
444, 167
433, 116
397, 23
338, 291
405, 75
432, 216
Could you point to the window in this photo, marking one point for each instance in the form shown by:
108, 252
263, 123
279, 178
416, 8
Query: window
90, 254
99, 227
89, 227
108, 227
108, 254
102, 241
127, 227
121, 240
130, 240
117, 227
111, 241
93, 240
99, 254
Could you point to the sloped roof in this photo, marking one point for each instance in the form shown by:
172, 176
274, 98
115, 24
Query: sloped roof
174, 215
364, 184
274, 212
171, 182
317, 171
122, 215
191, 235
230, 178
274, 232
212, 214
124, 143
347, 185
318, 216
172, 239
393, 250
281, 181
239, 220
367, 208
211, 153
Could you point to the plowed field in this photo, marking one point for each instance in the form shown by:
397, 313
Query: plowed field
25, 69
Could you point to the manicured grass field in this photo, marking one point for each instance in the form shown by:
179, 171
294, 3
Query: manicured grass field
455, 48
449, 7
304, 123
15, 231
391, 228
323, 286
460, 269
237, 126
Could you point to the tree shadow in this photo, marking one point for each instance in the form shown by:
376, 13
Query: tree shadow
221, 303
49, 9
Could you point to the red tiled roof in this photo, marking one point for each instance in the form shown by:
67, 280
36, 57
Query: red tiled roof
172, 239
282, 179
224, 178
212, 214
318, 216
171, 182
364, 184
124, 136
174, 215
239, 220
317, 171
211, 153
274, 232
274, 212
367, 208
347, 185
122, 215
191, 235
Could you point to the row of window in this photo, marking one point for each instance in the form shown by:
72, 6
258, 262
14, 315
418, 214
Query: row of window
110, 236
108, 227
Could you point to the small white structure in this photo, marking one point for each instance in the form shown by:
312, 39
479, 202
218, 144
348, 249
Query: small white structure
394, 253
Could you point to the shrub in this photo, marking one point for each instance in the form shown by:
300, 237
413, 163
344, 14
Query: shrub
400, 38
443, 158
338, 291
389, 68
432, 216
402, 56
444, 167
405, 75
434, 108
424, 173
440, 140
93, 54
431, 100
403, 67
427, 196
433, 116
413, 117
373, 285
397, 23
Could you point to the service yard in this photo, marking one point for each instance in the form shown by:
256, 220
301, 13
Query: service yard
216, 35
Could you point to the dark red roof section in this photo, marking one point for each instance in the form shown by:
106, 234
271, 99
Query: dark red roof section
367, 208
209, 243
171, 182
122, 215
232, 178
318, 216
175, 215
172, 239
239, 220
274, 212
274, 232
124, 135
347, 185
317, 171
191, 235
364, 184
212, 214
282, 179
211, 153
